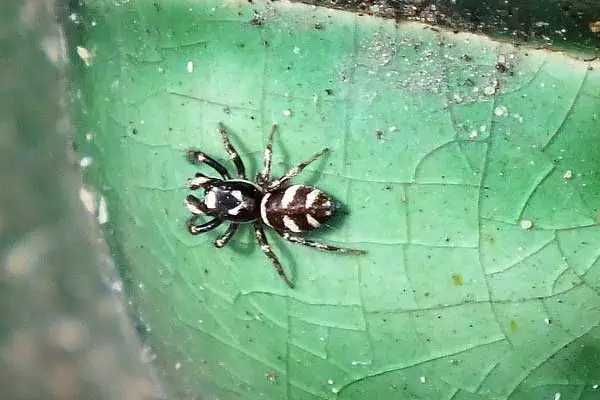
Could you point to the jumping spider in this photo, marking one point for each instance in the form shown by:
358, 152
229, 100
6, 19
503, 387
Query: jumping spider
288, 209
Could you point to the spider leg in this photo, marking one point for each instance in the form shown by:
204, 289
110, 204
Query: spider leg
225, 237
318, 245
200, 181
263, 176
196, 229
198, 157
239, 164
266, 248
195, 206
294, 171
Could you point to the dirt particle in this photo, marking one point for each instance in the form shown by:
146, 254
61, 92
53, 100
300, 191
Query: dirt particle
457, 279
257, 19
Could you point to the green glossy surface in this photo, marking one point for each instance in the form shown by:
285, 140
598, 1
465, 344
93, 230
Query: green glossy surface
439, 159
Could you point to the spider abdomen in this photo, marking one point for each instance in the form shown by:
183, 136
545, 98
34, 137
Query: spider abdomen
296, 208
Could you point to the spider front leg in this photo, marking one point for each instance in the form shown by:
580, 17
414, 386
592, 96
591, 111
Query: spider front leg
196, 229
276, 184
265, 174
225, 237
235, 157
317, 245
266, 248
199, 157
195, 206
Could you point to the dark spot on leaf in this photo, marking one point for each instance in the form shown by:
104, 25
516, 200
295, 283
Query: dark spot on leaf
501, 67
257, 19
457, 279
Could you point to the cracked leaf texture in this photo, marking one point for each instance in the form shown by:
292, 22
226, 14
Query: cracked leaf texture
475, 192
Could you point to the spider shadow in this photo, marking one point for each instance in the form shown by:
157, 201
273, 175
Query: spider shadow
245, 243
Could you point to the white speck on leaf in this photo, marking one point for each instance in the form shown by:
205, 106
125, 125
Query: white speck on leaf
190, 67
87, 198
85, 162
489, 90
568, 174
177, 365
526, 224
287, 113
330, 381
102, 211
557, 396
85, 55
422, 379
501, 111
117, 286
296, 50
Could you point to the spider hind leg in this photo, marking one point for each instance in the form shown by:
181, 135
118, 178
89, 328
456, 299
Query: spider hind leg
318, 245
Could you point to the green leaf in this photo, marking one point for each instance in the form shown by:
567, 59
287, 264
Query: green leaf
473, 188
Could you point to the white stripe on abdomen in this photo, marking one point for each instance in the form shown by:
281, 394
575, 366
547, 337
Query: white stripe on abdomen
263, 209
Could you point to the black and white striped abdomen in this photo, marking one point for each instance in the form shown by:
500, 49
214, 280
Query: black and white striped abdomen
296, 208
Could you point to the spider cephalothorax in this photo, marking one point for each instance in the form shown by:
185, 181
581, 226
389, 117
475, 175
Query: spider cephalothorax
289, 210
